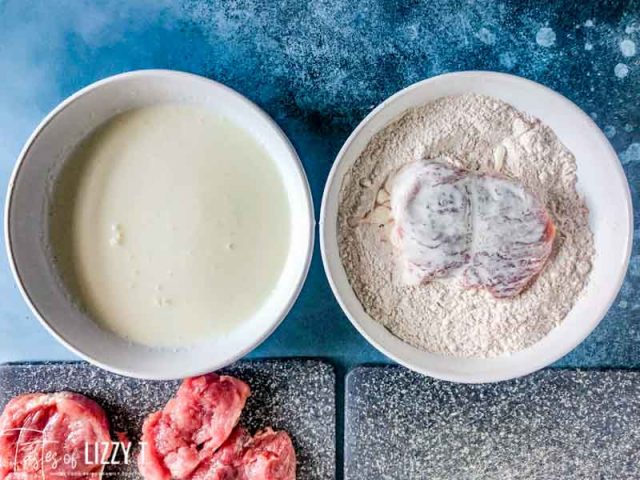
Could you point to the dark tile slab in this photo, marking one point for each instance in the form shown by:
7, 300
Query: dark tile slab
294, 395
555, 424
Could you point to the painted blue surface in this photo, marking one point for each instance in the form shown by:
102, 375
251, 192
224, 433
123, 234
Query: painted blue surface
318, 67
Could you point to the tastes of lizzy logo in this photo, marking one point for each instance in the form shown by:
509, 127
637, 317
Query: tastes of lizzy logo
33, 453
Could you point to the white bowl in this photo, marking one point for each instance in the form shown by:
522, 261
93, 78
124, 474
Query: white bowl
27, 203
600, 179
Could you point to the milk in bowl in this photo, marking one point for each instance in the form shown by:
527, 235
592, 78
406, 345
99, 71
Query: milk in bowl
169, 224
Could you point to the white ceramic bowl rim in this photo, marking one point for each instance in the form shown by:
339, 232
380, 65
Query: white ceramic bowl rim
434, 365
306, 205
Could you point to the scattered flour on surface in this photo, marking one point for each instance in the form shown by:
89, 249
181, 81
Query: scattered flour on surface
628, 47
546, 37
621, 70
478, 133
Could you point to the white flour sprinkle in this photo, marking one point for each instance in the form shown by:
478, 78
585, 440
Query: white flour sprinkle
628, 47
477, 133
546, 37
621, 70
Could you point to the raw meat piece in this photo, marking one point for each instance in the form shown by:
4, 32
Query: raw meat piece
192, 426
224, 464
488, 228
513, 237
269, 455
150, 461
195, 437
45, 436
431, 209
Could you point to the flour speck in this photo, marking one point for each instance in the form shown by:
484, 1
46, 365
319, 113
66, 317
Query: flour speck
588, 46
610, 131
546, 37
486, 36
508, 60
621, 70
631, 154
628, 47
589, 23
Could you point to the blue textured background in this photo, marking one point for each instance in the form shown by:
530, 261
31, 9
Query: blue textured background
318, 67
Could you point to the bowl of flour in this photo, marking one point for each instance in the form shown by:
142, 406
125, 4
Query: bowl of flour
490, 125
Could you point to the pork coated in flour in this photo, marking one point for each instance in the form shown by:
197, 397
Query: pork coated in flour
488, 138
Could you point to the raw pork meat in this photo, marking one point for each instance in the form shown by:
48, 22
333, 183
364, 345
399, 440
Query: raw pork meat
192, 426
268, 455
513, 237
223, 464
45, 436
486, 227
431, 209
195, 437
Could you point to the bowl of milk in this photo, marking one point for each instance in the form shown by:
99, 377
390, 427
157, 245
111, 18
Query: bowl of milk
159, 224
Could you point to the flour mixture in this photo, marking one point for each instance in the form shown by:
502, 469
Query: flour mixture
485, 135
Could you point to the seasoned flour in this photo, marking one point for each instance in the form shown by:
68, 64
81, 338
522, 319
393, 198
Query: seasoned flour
478, 133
